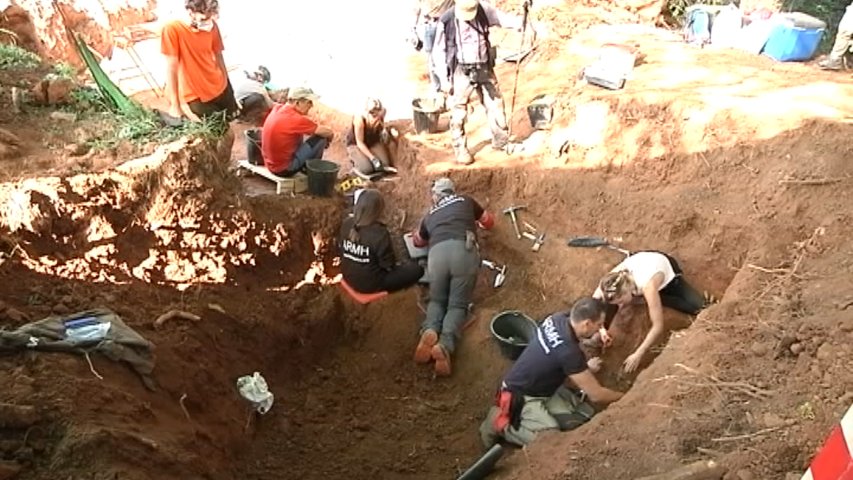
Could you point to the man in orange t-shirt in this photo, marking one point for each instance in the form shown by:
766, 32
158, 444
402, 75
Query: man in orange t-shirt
285, 152
197, 82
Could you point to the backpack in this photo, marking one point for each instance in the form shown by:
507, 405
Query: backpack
697, 27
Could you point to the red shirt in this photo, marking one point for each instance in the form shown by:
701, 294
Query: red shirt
283, 131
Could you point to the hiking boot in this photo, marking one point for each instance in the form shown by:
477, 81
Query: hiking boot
442, 361
423, 352
389, 170
831, 64
464, 158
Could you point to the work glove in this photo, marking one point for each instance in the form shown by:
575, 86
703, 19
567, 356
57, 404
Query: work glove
377, 165
415, 41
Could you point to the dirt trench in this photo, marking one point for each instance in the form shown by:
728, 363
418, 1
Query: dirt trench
175, 230
172, 231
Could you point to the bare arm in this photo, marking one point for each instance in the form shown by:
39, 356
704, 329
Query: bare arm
172, 66
324, 132
652, 295
220, 60
587, 382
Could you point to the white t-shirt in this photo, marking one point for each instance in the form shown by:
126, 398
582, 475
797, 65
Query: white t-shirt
644, 265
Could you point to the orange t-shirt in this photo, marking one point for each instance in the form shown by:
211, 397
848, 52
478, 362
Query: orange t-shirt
199, 74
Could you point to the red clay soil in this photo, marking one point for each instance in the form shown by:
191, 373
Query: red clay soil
753, 204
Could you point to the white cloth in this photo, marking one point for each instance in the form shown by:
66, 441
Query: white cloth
248, 87
644, 265
254, 389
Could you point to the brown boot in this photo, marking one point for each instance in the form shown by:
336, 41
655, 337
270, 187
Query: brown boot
442, 361
423, 352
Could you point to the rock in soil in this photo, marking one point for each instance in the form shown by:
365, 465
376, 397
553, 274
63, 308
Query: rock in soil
759, 349
9, 470
824, 352
744, 474
797, 348
17, 416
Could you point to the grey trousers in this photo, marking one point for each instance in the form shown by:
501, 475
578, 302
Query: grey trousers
452, 276
492, 100
844, 37
539, 414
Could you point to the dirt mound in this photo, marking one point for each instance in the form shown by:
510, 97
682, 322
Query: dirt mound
39, 26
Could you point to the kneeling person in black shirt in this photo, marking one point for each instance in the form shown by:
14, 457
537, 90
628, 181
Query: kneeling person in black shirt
368, 263
535, 394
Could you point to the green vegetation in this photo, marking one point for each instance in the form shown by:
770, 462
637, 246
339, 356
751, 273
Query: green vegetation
65, 70
13, 56
140, 126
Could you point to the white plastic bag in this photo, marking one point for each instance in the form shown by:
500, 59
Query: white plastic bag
254, 389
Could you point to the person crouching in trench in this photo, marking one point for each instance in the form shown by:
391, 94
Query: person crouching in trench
371, 145
539, 391
658, 279
368, 263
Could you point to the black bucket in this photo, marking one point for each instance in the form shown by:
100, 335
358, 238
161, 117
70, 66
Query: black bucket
512, 330
540, 112
426, 113
322, 175
253, 146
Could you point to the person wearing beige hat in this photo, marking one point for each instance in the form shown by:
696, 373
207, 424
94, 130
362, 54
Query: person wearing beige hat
465, 59
283, 143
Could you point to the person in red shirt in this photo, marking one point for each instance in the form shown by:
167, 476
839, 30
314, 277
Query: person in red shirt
285, 152
197, 81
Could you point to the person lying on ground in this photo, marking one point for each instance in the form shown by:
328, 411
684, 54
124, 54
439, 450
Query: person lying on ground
843, 42
370, 144
284, 149
656, 277
197, 82
368, 263
539, 391
252, 94
449, 228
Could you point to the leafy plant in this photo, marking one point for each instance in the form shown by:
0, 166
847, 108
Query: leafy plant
140, 126
13, 56
65, 70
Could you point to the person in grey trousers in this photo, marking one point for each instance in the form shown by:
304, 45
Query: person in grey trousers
449, 228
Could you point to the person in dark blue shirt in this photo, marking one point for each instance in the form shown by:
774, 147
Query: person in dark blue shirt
536, 394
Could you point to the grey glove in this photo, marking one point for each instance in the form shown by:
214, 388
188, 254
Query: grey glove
377, 165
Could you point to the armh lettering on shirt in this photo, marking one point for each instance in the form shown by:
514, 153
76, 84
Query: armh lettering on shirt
548, 335
356, 251
445, 202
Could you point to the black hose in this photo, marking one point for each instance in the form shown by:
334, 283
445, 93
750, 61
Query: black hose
485, 465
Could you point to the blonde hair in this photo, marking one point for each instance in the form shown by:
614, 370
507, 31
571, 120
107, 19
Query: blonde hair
615, 284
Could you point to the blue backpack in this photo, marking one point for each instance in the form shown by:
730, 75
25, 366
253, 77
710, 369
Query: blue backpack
697, 27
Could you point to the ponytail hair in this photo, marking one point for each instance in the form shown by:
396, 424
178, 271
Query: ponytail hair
615, 284
368, 208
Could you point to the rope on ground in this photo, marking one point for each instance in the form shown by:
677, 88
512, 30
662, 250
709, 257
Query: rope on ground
92, 367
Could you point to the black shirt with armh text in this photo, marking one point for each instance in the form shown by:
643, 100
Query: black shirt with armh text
365, 262
553, 354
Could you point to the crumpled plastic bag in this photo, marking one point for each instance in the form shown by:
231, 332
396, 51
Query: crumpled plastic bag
254, 389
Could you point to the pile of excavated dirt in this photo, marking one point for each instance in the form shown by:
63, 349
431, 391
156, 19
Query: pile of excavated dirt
734, 164
40, 27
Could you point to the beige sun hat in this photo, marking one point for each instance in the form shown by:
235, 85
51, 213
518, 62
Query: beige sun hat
466, 10
303, 93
